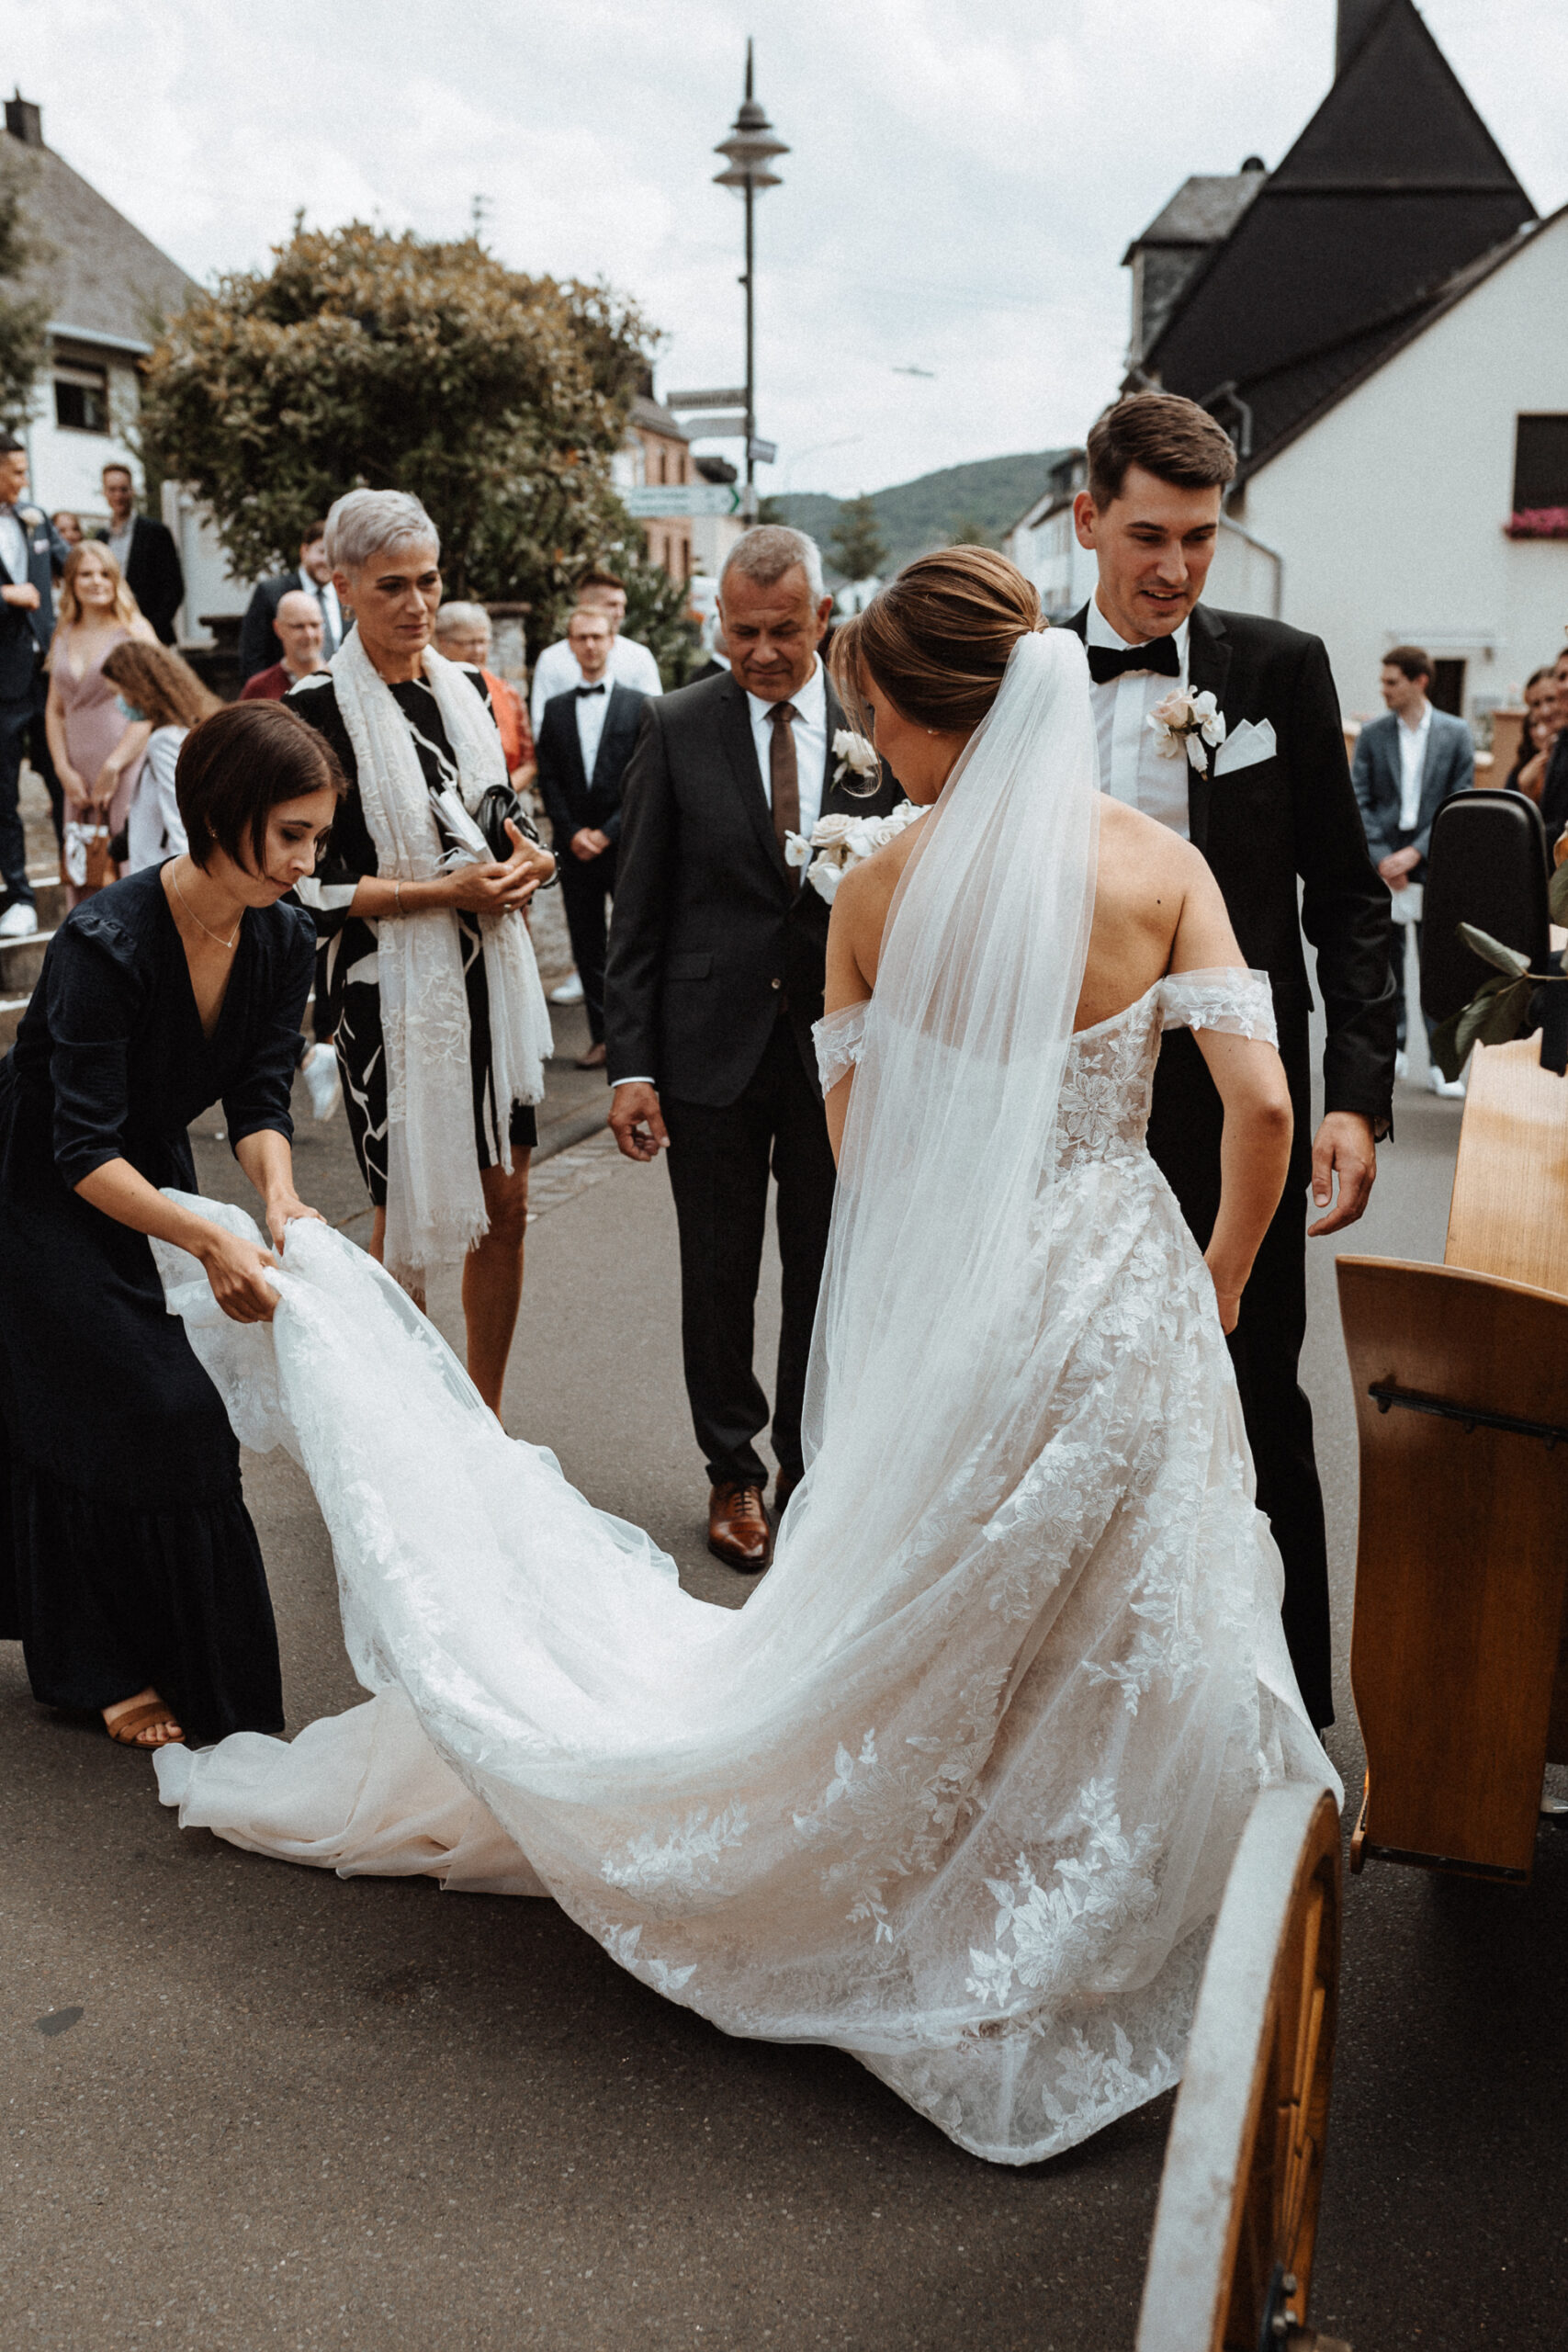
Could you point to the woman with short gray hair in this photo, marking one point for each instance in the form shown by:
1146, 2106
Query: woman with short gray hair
433, 996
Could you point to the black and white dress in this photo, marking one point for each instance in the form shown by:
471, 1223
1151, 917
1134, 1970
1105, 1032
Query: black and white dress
348, 987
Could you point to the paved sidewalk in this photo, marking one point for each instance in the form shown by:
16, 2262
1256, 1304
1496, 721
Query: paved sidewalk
248, 2106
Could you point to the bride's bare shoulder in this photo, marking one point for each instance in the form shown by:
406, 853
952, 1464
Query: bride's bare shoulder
1143, 861
862, 898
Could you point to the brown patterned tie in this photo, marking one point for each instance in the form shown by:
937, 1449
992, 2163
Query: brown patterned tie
784, 774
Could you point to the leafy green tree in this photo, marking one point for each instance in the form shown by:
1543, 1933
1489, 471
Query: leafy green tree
857, 546
659, 615
24, 310
366, 359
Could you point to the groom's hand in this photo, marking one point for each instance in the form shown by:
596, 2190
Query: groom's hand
636, 1122
1344, 1148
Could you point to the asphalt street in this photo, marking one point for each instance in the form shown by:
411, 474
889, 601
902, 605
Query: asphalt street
247, 2105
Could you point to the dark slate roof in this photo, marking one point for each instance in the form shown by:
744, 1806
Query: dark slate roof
1394, 185
102, 277
1204, 210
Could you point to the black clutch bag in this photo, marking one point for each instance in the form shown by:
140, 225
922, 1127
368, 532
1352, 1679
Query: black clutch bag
498, 806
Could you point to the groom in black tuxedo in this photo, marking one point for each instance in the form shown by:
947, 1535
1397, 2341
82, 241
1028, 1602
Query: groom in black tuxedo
1273, 804
714, 978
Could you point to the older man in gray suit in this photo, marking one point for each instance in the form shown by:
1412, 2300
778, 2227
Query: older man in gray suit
1406, 765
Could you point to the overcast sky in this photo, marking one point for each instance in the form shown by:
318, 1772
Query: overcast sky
963, 180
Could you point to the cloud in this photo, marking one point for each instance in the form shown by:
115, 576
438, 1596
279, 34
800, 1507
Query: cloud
960, 186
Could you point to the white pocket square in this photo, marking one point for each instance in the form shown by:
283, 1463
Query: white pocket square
1245, 747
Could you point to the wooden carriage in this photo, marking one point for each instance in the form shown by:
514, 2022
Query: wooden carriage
1230, 2263
1461, 1372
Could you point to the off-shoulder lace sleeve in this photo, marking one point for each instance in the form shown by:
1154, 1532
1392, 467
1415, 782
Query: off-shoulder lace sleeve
1240, 1002
839, 1037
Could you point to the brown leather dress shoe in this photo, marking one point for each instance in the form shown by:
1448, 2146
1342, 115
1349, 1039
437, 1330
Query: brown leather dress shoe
738, 1534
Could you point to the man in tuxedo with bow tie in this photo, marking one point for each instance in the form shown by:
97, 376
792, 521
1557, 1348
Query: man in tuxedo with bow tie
718, 957
1271, 808
585, 739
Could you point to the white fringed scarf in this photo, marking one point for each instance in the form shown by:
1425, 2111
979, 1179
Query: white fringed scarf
435, 1206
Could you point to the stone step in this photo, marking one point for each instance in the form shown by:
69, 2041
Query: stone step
49, 897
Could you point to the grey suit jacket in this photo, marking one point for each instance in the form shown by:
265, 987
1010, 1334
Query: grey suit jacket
1448, 767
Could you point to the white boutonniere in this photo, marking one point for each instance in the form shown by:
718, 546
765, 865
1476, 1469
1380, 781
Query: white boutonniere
1186, 722
837, 841
852, 751
29, 517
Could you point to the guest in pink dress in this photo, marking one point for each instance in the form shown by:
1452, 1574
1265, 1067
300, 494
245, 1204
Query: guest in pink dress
96, 748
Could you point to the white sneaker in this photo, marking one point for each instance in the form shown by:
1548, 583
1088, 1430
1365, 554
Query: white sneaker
1402, 1064
568, 992
18, 921
1450, 1089
320, 1071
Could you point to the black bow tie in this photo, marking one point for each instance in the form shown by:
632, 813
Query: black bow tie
1105, 662
580, 691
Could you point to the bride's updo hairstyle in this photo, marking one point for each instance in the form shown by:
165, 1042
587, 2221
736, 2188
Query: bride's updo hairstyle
936, 640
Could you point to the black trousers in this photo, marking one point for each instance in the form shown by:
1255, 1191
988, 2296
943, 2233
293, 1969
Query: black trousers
1265, 1346
587, 887
719, 1164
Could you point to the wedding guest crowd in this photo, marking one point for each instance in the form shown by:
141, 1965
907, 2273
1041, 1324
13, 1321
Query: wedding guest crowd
296, 625
1527, 774
145, 553
69, 527
261, 643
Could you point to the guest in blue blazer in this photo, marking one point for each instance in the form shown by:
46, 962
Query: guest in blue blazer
1406, 765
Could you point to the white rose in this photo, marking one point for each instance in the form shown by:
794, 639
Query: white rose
1210, 718
797, 850
834, 830
852, 751
825, 878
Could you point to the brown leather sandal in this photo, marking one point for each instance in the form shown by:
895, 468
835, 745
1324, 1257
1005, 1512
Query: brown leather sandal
125, 1729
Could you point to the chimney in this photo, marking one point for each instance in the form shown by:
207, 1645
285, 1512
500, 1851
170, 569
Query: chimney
24, 120
1353, 22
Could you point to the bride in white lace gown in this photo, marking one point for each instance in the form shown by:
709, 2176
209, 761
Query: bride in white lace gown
958, 1789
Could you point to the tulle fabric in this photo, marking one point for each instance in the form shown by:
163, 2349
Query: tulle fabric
958, 1789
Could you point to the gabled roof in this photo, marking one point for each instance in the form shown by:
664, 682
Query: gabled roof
1394, 185
102, 277
1204, 210
654, 417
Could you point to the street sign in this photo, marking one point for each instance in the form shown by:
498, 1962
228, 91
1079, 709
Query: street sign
761, 453
705, 400
661, 500
703, 428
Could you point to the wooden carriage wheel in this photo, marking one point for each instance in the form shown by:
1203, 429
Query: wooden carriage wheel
1230, 2265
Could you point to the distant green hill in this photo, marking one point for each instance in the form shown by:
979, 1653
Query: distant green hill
929, 512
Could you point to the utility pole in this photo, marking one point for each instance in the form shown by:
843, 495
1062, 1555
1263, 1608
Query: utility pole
750, 148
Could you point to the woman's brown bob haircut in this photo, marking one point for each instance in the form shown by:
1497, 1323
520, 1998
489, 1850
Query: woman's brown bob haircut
1169, 436
937, 639
234, 769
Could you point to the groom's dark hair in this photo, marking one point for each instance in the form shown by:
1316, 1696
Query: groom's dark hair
1170, 438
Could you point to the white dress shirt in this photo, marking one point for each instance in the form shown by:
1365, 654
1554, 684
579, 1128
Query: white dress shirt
13, 546
118, 543
325, 596
1132, 766
592, 708
556, 673
1412, 760
809, 728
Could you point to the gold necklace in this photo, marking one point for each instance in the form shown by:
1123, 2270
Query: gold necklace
229, 943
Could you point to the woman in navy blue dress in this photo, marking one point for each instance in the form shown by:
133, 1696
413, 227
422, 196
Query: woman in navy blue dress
128, 1566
